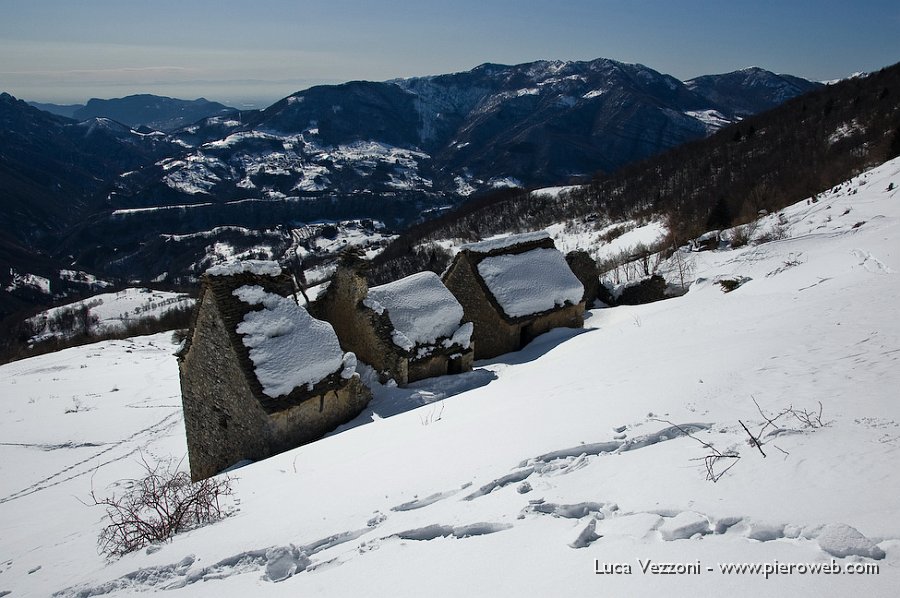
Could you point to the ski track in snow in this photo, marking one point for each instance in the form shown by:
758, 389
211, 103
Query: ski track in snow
872, 263
92, 463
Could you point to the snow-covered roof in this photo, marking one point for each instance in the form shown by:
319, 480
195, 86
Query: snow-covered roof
258, 267
504, 242
420, 307
288, 347
531, 282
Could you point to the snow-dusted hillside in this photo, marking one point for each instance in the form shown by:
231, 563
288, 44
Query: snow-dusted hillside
538, 470
107, 312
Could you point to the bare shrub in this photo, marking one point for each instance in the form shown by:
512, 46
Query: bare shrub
810, 419
716, 462
729, 284
632, 264
612, 234
778, 232
157, 506
743, 234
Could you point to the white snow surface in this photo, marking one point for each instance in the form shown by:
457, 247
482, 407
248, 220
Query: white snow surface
109, 312
713, 120
420, 307
504, 182
530, 282
554, 192
84, 278
38, 283
258, 267
503, 242
521, 477
288, 347
589, 239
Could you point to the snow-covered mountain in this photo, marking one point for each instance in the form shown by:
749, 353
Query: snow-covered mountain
102, 197
578, 466
495, 125
54, 174
52, 168
750, 90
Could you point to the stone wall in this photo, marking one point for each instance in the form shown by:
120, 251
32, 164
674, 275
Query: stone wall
492, 335
435, 365
316, 416
570, 316
585, 269
647, 290
359, 329
223, 421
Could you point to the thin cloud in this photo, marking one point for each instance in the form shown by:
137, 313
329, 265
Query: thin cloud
107, 71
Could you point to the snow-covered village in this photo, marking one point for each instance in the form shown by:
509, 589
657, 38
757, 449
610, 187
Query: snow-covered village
365, 319
756, 425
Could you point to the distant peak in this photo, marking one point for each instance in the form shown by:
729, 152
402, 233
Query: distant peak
490, 66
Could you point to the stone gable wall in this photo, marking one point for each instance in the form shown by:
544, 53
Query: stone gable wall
492, 335
222, 419
225, 420
585, 269
360, 329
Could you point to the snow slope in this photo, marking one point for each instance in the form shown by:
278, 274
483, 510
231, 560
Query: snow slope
531, 473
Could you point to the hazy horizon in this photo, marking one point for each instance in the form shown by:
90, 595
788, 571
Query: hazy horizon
237, 53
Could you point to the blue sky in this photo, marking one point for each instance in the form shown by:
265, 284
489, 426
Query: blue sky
258, 52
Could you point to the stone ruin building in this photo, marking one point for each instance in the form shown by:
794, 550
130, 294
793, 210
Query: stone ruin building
585, 269
407, 330
259, 375
513, 289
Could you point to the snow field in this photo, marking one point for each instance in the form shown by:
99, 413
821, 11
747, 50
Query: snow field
513, 478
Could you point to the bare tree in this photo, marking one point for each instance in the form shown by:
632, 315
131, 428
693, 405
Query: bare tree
684, 268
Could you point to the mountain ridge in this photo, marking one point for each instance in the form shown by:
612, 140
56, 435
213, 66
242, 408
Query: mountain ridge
161, 113
390, 151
